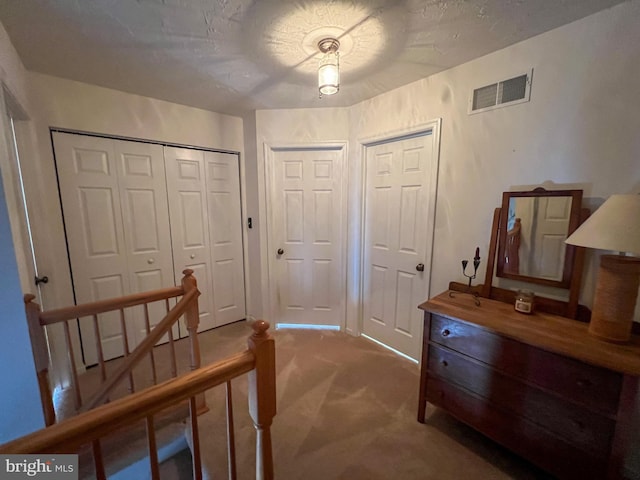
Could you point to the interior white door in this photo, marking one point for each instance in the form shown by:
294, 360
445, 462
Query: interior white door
550, 230
145, 216
225, 233
307, 228
187, 193
397, 247
206, 226
116, 221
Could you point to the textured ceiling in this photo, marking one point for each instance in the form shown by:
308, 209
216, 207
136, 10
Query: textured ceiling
232, 56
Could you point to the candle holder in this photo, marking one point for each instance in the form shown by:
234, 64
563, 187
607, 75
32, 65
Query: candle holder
476, 264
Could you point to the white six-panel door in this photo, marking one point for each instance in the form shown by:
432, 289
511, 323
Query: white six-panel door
206, 225
115, 210
397, 206
138, 214
307, 278
553, 216
188, 212
225, 234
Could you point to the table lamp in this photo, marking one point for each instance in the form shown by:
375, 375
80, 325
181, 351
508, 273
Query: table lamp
614, 226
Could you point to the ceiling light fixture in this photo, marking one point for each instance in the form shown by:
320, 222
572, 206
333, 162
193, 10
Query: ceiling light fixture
329, 68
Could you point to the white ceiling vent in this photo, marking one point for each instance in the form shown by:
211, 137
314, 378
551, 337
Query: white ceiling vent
501, 94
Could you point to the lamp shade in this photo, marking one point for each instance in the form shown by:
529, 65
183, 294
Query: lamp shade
614, 226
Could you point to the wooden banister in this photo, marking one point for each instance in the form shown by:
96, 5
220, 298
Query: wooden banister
192, 317
40, 357
89, 427
102, 306
143, 349
38, 320
262, 396
68, 435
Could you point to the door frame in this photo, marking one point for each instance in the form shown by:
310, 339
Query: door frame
432, 127
269, 150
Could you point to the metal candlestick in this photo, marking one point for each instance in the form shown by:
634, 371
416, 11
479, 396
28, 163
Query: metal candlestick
476, 264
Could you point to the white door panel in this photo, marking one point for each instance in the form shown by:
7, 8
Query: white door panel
206, 220
307, 212
137, 215
115, 209
553, 216
225, 232
544, 223
95, 234
145, 213
188, 215
396, 242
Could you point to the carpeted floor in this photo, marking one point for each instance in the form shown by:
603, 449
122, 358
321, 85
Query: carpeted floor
346, 410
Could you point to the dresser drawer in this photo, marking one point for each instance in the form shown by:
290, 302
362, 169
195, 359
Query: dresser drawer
577, 425
522, 436
594, 387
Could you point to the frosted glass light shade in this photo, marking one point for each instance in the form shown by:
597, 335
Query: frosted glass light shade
329, 74
614, 226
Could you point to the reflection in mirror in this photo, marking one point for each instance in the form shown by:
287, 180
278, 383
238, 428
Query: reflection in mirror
536, 230
532, 235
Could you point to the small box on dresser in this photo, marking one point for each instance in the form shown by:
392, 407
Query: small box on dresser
537, 384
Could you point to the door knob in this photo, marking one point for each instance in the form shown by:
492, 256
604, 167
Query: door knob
420, 267
280, 251
40, 280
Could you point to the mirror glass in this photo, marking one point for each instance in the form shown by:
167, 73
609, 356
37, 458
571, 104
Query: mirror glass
533, 228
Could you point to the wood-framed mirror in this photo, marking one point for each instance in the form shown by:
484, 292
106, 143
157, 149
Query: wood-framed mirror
572, 263
531, 234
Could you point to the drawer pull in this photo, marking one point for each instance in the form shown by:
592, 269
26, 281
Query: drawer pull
444, 363
446, 332
583, 383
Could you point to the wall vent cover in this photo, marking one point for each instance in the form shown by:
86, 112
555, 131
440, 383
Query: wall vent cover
501, 94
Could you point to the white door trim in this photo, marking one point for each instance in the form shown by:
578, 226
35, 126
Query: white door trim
433, 127
269, 149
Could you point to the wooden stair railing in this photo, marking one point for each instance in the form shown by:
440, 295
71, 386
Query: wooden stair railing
38, 321
69, 435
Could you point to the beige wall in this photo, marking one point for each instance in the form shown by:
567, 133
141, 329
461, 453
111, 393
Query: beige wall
579, 130
72, 105
277, 128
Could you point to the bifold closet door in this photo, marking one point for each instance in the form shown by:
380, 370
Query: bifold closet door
206, 224
115, 211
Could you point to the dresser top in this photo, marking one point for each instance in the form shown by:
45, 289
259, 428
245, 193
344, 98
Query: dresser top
556, 334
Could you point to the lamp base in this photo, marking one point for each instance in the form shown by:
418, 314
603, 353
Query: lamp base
615, 298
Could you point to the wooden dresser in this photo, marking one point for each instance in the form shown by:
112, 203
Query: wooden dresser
537, 384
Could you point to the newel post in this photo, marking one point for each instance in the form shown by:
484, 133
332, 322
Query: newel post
192, 319
40, 357
262, 396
